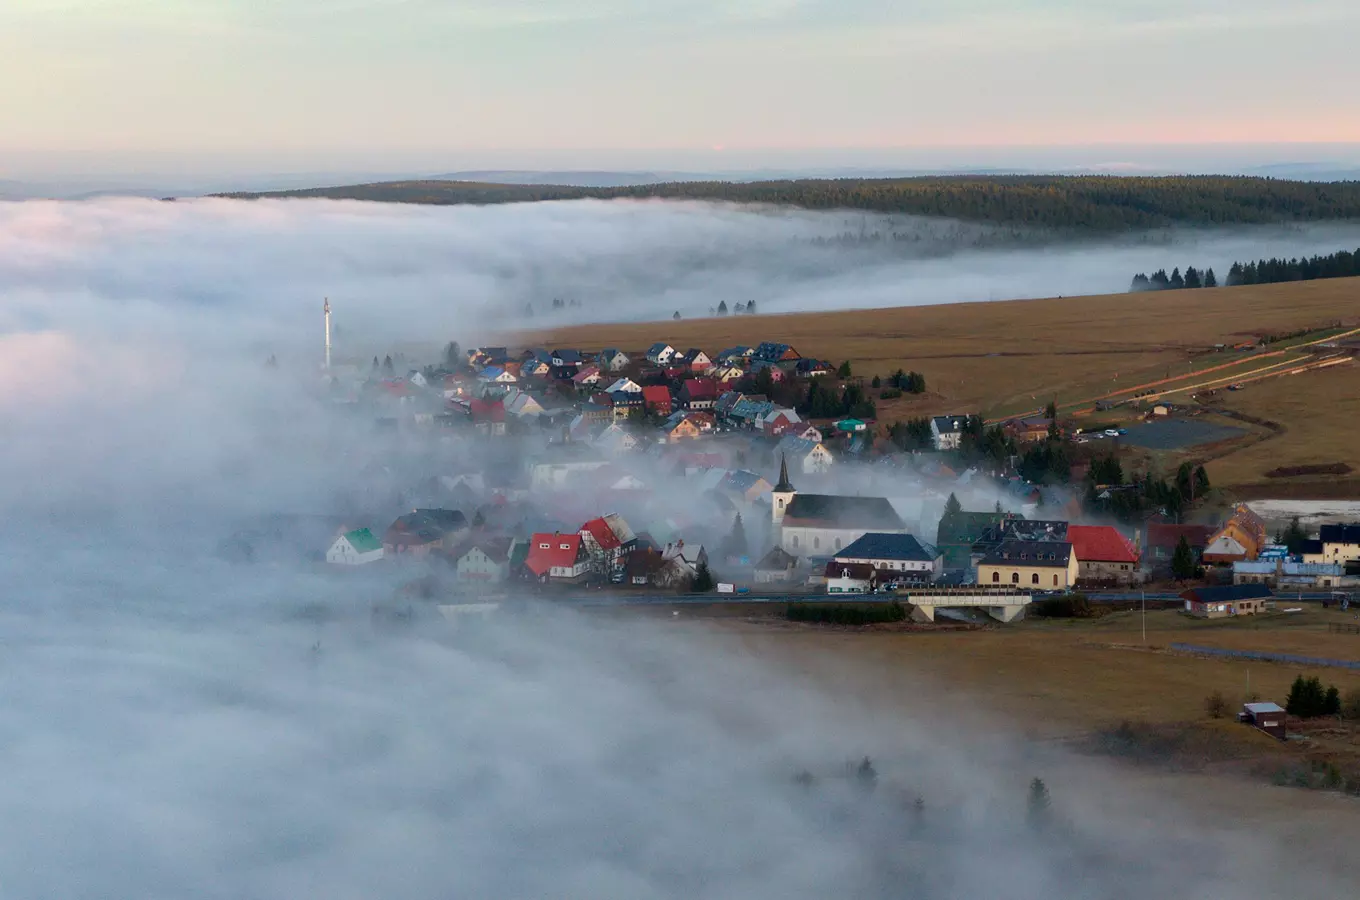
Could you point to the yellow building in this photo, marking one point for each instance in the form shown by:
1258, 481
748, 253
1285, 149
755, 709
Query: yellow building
1030, 565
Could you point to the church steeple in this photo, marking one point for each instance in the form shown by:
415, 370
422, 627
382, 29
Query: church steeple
784, 486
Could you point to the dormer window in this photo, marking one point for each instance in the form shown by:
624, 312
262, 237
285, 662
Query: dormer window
565, 547
545, 546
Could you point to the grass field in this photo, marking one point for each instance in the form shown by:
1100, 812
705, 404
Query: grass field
1006, 358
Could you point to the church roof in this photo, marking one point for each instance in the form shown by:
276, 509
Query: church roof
784, 486
831, 511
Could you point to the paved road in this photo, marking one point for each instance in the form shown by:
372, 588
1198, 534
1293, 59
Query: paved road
614, 598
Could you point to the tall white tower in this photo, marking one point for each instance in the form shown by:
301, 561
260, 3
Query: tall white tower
783, 492
326, 310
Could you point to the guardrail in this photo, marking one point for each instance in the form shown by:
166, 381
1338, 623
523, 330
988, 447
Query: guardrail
1268, 657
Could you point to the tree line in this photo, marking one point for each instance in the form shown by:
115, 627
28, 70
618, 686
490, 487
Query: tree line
1342, 264
1085, 202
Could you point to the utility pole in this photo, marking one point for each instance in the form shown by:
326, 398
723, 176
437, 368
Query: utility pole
1144, 593
326, 311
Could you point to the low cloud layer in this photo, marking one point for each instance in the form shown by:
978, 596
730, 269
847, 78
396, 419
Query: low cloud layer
232, 274
178, 725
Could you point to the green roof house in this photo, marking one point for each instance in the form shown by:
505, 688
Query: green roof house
355, 548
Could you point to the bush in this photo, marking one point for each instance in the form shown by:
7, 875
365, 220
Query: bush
1215, 705
841, 614
1068, 606
1351, 707
889, 394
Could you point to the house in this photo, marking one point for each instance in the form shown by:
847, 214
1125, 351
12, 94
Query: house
776, 372
743, 486
563, 359
735, 356
355, 548
487, 416
899, 555
1028, 430
946, 432
1289, 575
1030, 565
561, 464
726, 374
1269, 717
1103, 554
808, 457
417, 378
586, 377
681, 427
625, 403
521, 405
422, 530
821, 524
489, 356
1241, 538
698, 394
1229, 600
851, 578
607, 540
643, 566
485, 559
680, 565
656, 399
772, 352
695, 360
1340, 543
748, 411
1312, 551
496, 375
776, 567
613, 360
615, 440
535, 368
811, 368
660, 354
557, 557
779, 420
626, 385
1163, 538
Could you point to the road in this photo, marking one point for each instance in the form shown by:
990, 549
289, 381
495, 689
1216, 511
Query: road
616, 598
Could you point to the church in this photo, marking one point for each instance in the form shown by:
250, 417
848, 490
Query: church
823, 524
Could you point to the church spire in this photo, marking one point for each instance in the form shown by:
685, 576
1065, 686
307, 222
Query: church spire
784, 486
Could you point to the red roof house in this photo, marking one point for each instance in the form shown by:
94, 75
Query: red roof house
1103, 554
656, 398
699, 393
559, 557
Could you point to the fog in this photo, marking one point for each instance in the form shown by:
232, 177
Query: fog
177, 724
252, 274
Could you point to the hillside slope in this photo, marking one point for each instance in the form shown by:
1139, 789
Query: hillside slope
1098, 203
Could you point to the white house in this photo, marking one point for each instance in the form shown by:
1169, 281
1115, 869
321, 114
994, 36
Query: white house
561, 463
521, 405
899, 554
485, 560
1340, 543
947, 431
808, 457
418, 379
627, 385
612, 360
355, 548
660, 354
496, 375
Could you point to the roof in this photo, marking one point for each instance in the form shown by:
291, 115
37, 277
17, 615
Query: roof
610, 532
658, 347
842, 512
1047, 554
1310, 547
949, 424
656, 393
877, 545
859, 571
1100, 543
496, 549
541, 559
1339, 534
1257, 709
795, 446
777, 560
966, 527
480, 409
362, 540
1227, 593
700, 389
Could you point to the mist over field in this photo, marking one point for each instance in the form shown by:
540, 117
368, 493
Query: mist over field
175, 724
230, 275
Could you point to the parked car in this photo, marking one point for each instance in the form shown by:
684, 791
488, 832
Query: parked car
1123, 431
1111, 432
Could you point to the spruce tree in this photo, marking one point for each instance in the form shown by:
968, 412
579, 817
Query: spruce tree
702, 582
952, 506
1209, 280
387, 365
722, 308
751, 308
844, 370
452, 355
1192, 278
1039, 806
1183, 560
677, 315
1177, 282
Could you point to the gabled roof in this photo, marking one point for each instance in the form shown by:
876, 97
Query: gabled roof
795, 446
496, 549
1167, 535
585, 374
832, 511
659, 347
567, 356
1047, 554
877, 545
1100, 543
656, 393
362, 540
857, 571
541, 559
1339, 534
599, 529
949, 424
700, 389
777, 560
1229, 593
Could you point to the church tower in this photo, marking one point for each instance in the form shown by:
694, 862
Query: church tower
783, 492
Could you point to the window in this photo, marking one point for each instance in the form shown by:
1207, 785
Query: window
996, 576
1015, 578
544, 546
795, 542
564, 546
1055, 580
816, 543
1034, 579
838, 543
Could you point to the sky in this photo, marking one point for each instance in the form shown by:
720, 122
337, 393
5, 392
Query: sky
580, 83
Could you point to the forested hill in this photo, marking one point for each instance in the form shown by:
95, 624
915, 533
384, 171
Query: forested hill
1105, 203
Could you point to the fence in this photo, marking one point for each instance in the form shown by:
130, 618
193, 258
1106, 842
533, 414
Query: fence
1343, 628
1268, 657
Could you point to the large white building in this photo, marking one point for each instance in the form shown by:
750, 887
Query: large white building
825, 524
947, 431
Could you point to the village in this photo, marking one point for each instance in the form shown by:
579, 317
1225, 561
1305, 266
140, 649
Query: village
665, 472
